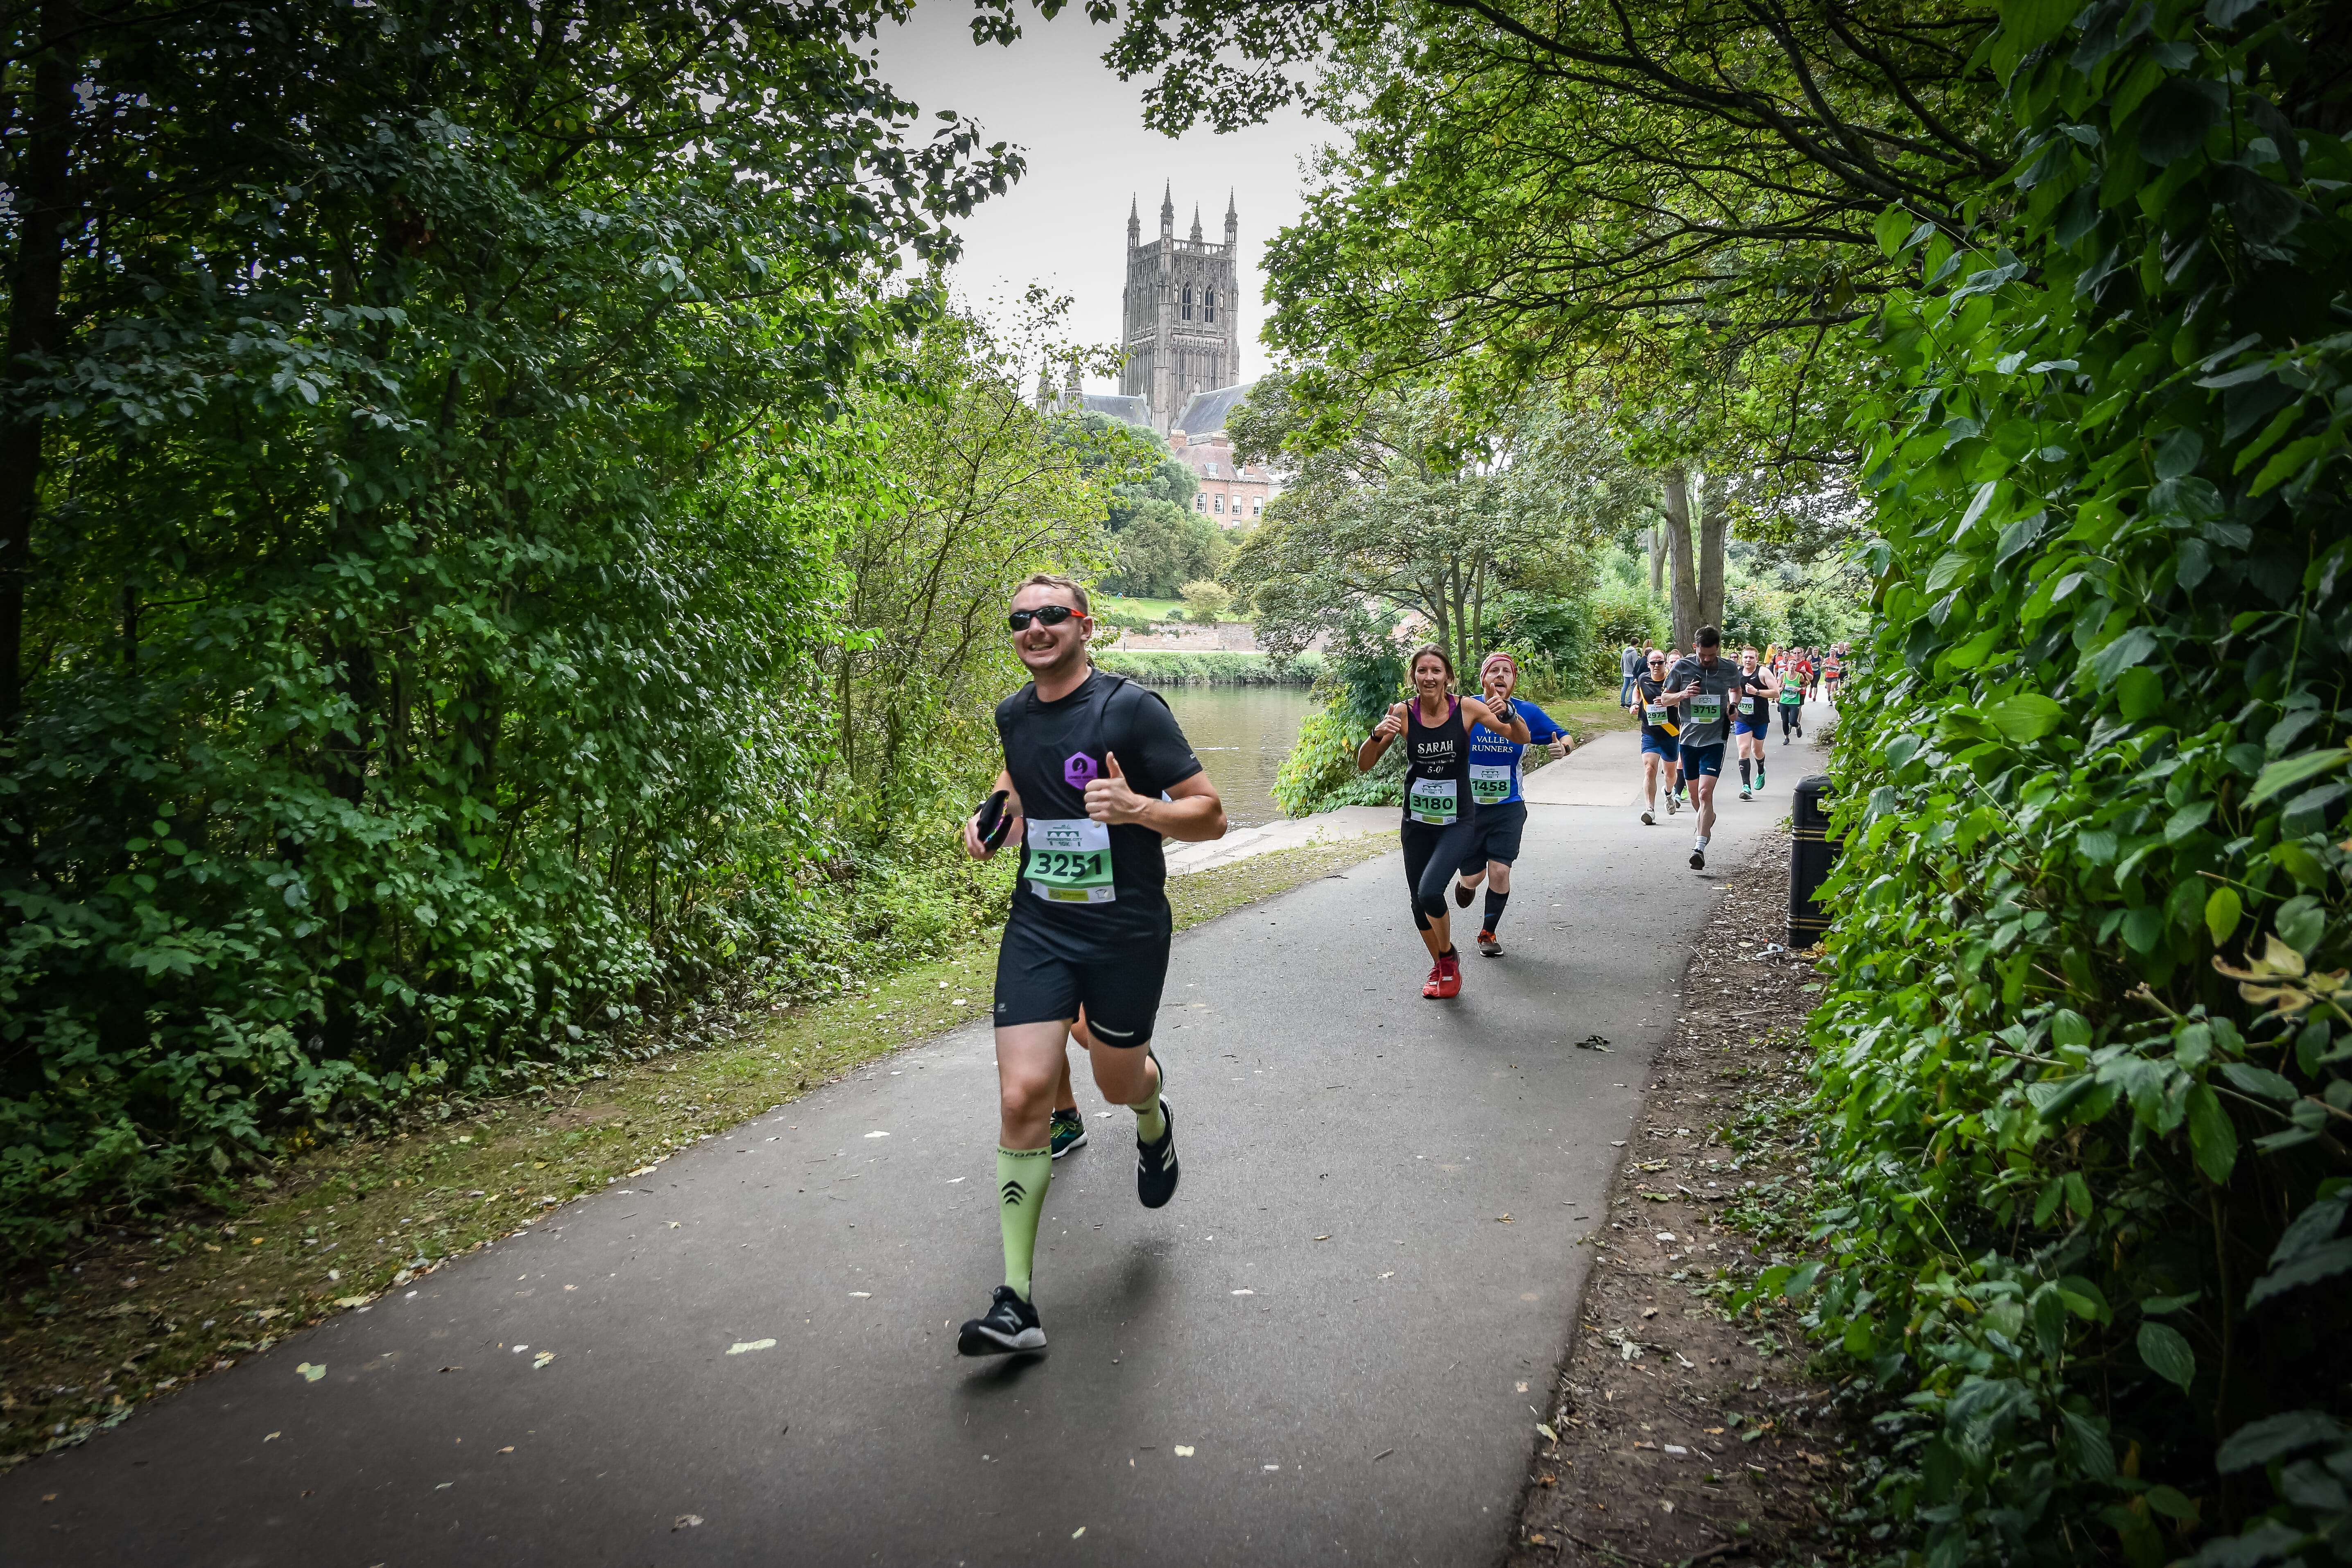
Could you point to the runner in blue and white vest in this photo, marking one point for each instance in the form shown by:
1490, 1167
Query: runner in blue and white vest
1495, 785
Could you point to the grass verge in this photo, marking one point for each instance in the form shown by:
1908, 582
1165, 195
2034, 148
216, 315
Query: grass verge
138, 1311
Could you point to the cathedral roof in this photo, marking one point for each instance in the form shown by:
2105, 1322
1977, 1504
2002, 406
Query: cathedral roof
1205, 414
1134, 410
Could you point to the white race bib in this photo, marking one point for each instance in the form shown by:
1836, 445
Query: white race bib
1069, 860
1706, 708
1655, 711
1489, 785
1431, 801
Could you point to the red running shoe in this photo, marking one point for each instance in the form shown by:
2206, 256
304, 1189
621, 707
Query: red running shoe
1449, 975
1434, 986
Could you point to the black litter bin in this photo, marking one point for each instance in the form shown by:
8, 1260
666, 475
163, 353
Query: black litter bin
1811, 854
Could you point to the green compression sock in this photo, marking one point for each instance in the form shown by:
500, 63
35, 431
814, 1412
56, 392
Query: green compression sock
1150, 1125
1022, 1178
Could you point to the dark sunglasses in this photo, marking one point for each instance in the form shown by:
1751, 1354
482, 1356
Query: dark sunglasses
1043, 615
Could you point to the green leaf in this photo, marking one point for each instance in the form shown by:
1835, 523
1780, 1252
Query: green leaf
2319, 1263
2259, 1082
2212, 1137
2301, 921
2168, 1354
2170, 1502
2026, 716
2289, 771
2139, 694
1892, 226
2222, 912
2274, 1437
2175, 117
2034, 23
2127, 650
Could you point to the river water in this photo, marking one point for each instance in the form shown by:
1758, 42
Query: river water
1240, 734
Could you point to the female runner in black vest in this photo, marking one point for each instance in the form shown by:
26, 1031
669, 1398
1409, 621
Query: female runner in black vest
1439, 813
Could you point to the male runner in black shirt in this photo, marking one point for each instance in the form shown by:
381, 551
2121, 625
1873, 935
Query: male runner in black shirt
1096, 772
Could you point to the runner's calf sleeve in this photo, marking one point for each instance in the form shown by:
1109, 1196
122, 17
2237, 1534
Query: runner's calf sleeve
1150, 1125
1495, 902
1022, 1178
1743, 773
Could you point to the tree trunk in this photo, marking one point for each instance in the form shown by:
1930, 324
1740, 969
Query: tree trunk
1714, 527
1657, 537
1679, 538
45, 206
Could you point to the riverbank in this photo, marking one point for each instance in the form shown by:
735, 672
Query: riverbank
1208, 668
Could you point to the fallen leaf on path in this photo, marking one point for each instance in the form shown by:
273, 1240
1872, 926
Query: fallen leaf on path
541, 1359
1505, 1219
1183, 1451
1245, 1292
877, 1135
507, 1449
1593, 1043
863, 1295
1076, 1533
686, 1521
314, 1370
1322, 1238
1383, 1454
273, 1436
1549, 1435
740, 1346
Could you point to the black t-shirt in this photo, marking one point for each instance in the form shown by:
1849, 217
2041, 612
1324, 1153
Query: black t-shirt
1093, 888
1752, 703
1647, 691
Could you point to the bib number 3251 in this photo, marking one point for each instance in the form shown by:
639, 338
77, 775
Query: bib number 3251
1431, 801
1069, 861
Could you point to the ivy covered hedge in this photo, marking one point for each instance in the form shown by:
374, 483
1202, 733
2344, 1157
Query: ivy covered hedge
2083, 1065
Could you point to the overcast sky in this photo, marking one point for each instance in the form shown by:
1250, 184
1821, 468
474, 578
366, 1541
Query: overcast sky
1065, 224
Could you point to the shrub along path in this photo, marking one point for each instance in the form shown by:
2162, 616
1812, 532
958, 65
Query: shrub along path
1319, 1353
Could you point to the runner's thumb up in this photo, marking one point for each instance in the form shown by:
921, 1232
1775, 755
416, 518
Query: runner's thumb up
1111, 770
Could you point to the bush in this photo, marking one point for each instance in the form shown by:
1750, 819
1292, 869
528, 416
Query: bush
1205, 601
2086, 1062
1208, 667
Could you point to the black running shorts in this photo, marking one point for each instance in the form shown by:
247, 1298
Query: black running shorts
1499, 830
1037, 982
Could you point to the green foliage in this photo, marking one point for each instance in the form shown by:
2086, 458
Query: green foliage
434, 527
1161, 547
1208, 667
2083, 1063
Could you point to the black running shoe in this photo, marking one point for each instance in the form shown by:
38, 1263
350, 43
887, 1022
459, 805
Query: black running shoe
1488, 945
1462, 894
1155, 1163
1698, 860
1010, 1324
1069, 1131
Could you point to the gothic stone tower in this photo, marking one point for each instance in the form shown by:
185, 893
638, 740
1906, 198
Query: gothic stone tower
1182, 328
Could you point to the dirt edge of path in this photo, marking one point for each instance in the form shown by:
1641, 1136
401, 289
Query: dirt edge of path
1677, 1432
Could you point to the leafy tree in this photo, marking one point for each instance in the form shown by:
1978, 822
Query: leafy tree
1419, 514
1163, 547
982, 489
417, 508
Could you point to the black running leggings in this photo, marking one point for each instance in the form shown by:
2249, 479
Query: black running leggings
1790, 714
1430, 854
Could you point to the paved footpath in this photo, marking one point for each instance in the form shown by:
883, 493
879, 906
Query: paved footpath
1331, 1348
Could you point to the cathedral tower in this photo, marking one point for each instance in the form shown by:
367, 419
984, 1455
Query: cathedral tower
1182, 332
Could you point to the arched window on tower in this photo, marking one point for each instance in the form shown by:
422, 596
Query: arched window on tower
1188, 301
1209, 305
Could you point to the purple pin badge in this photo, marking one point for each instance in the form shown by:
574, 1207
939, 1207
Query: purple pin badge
1079, 771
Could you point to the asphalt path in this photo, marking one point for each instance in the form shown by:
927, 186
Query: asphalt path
1333, 1347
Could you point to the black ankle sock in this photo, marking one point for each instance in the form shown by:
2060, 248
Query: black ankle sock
1495, 902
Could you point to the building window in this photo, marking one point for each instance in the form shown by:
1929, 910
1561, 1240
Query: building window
1258, 506
1188, 301
1220, 504
1212, 470
1209, 305
1200, 503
